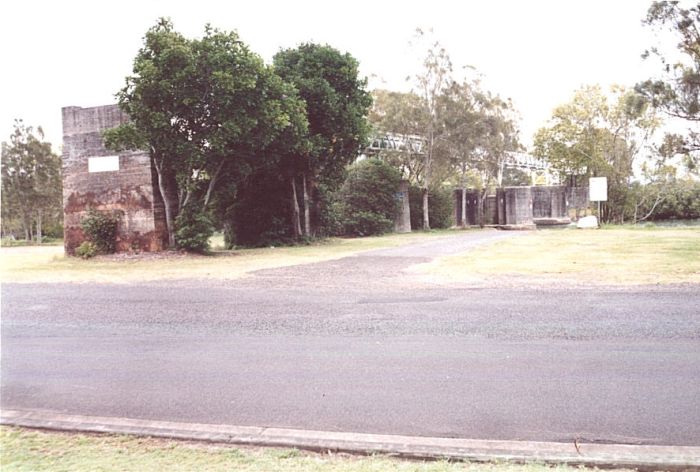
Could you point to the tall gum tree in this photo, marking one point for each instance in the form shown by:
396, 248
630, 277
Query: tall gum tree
31, 181
431, 83
677, 92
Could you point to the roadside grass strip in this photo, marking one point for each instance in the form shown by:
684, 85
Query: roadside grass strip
33, 450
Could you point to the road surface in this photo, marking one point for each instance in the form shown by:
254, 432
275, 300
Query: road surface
359, 345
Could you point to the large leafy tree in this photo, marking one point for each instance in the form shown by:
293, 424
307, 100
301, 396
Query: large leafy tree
677, 93
31, 181
337, 104
208, 110
590, 136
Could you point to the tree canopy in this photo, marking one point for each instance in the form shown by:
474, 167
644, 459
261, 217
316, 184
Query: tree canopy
31, 182
204, 108
337, 104
677, 93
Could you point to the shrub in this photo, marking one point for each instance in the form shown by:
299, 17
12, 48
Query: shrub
368, 198
86, 250
193, 228
367, 223
440, 208
101, 229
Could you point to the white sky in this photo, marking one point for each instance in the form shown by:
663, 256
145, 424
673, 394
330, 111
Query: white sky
69, 52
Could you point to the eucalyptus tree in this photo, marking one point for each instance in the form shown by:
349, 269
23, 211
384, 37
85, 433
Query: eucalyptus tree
431, 84
31, 181
399, 117
677, 92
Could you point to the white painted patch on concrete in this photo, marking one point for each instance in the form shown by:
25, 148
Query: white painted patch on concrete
103, 164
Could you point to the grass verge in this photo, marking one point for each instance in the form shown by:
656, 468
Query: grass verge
611, 256
48, 263
27, 450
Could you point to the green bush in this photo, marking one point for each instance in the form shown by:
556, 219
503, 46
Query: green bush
101, 229
86, 250
368, 201
440, 208
367, 223
193, 228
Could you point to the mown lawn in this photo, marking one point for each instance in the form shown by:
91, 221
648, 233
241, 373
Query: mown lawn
27, 450
614, 255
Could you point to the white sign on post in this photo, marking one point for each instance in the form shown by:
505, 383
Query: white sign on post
598, 189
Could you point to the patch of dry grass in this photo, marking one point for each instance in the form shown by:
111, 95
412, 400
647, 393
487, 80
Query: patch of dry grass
614, 256
48, 263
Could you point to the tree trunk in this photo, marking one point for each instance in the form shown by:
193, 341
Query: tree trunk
499, 175
27, 224
39, 235
169, 224
296, 223
464, 207
426, 215
307, 211
212, 184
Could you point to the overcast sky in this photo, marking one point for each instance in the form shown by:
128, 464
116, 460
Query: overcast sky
68, 52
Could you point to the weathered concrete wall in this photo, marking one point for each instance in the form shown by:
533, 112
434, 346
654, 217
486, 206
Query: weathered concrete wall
577, 198
402, 222
541, 202
128, 191
518, 206
491, 210
558, 201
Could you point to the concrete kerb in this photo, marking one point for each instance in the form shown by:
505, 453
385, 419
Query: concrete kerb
598, 455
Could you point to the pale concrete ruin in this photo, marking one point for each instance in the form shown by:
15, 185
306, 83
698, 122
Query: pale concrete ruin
96, 178
521, 207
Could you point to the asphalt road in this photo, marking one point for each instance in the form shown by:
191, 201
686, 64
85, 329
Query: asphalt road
359, 345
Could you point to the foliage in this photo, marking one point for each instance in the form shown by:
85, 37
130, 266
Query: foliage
207, 109
678, 93
399, 116
516, 178
590, 136
441, 207
431, 83
193, 228
330, 215
31, 184
460, 133
101, 229
681, 201
86, 250
336, 108
368, 198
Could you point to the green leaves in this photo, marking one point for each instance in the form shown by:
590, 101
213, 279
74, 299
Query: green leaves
100, 229
31, 181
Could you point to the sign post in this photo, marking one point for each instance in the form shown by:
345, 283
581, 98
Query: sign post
598, 191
